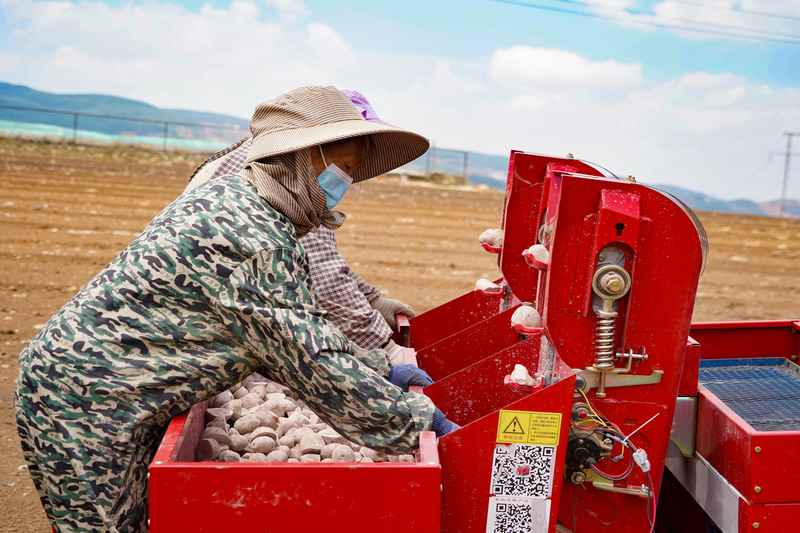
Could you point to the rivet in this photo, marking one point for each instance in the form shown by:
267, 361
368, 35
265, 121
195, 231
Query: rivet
757, 489
758, 449
756, 525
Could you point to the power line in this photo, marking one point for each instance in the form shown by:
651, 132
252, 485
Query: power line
691, 29
716, 25
784, 16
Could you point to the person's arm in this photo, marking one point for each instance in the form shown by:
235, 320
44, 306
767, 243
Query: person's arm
340, 293
271, 309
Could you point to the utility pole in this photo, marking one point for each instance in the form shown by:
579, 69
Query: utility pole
787, 161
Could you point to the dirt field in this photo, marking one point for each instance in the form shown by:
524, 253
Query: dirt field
65, 211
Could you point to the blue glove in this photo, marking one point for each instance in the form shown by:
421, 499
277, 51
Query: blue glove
441, 425
404, 375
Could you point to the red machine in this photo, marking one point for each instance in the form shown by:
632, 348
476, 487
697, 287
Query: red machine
566, 420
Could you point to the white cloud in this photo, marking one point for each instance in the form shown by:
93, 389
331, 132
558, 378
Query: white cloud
328, 45
289, 9
546, 67
707, 131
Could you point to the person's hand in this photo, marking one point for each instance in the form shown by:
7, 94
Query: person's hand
389, 307
400, 355
441, 425
406, 375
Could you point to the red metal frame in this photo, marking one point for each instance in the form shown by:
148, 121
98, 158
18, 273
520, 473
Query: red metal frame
186, 495
755, 462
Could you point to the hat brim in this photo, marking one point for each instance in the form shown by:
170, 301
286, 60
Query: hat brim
391, 147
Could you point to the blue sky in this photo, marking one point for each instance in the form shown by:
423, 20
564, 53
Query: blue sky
466, 28
696, 111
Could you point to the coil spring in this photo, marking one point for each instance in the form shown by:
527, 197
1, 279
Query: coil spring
604, 343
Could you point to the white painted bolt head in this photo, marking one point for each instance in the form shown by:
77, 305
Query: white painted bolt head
526, 316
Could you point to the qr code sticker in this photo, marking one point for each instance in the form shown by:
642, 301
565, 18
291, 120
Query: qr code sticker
518, 515
523, 470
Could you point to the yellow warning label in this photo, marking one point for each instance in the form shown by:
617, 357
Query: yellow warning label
530, 427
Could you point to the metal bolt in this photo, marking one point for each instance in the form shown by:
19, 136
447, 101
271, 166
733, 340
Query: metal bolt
757, 489
612, 283
756, 525
578, 478
758, 449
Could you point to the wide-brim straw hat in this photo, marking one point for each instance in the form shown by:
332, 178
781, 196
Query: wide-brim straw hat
311, 116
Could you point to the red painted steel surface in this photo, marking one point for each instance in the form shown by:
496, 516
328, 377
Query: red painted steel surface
467, 346
691, 369
769, 518
467, 456
726, 340
663, 256
522, 215
185, 495
452, 317
477, 389
729, 443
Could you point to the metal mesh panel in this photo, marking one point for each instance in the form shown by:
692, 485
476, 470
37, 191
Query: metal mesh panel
764, 392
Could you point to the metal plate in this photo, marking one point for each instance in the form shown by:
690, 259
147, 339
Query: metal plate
718, 498
765, 392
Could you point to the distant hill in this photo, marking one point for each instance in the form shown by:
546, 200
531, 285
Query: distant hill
20, 95
482, 169
706, 202
773, 208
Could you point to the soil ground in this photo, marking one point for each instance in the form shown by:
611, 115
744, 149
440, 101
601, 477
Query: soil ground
66, 210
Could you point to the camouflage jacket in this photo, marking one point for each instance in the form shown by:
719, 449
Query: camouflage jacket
215, 288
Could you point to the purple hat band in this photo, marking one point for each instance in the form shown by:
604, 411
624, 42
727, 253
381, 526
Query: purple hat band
362, 104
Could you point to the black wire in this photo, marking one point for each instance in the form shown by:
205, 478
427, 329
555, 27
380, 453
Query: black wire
589, 14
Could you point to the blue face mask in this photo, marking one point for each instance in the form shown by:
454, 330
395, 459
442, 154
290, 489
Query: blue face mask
334, 182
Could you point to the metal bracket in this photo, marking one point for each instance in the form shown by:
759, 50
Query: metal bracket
600, 483
590, 378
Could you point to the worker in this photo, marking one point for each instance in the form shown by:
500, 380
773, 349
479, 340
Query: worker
358, 309
215, 288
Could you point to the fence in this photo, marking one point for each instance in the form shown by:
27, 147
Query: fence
96, 127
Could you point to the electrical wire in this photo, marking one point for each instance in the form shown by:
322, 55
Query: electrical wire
591, 408
783, 16
759, 32
691, 29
